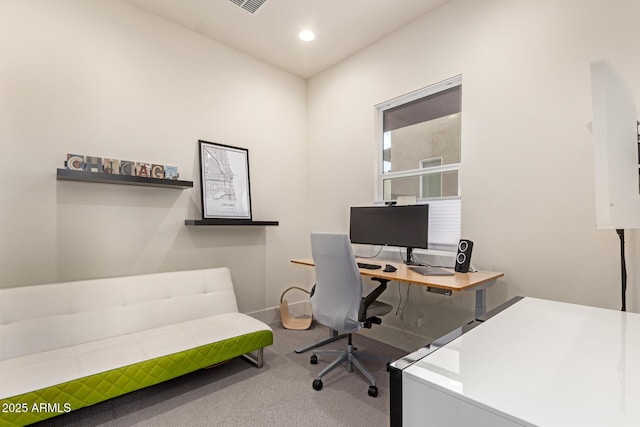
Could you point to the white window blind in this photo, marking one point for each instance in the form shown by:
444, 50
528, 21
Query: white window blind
444, 224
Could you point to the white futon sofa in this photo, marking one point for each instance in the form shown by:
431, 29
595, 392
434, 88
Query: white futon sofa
68, 345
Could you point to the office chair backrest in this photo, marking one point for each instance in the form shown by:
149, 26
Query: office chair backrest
338, 292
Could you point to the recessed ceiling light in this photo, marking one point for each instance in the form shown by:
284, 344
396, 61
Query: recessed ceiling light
307, 35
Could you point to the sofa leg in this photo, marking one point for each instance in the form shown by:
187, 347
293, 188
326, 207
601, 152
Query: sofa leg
257, 359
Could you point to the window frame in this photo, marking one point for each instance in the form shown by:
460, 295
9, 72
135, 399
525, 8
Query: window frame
424, 178
381, 175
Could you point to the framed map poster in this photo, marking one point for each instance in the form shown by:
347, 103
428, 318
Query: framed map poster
224, 178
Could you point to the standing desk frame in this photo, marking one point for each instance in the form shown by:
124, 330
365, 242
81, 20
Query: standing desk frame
477, 281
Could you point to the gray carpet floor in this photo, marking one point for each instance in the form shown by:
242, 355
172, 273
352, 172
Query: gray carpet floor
236, 393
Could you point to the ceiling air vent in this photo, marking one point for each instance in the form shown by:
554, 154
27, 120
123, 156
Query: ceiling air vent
250, 6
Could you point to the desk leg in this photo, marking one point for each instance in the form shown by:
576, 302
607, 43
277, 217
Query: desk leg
481, 298
481, 302
333, 336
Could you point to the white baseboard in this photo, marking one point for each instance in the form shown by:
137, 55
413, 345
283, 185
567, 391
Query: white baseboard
268, 316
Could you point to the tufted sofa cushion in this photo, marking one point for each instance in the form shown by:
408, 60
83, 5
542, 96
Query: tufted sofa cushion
35, 319
95, 339
45, 369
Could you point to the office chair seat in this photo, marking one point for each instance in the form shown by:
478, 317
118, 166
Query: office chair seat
338, 303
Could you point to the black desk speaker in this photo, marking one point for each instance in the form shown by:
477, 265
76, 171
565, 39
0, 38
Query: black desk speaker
463, 258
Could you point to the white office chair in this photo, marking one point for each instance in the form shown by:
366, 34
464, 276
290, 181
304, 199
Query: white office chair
338, 304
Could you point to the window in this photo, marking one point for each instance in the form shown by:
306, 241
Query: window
431, 185
419, 136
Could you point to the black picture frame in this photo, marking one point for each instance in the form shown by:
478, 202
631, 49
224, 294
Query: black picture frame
224, 181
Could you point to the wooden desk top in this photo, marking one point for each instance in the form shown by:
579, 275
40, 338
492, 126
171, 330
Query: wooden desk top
457, 282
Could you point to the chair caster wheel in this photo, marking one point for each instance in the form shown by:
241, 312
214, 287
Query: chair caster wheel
373, 390
314, 361
317, 385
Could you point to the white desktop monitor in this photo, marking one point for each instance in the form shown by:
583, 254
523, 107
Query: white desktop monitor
615, 130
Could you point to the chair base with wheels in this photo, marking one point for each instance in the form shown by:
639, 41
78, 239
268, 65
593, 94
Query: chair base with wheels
351, 356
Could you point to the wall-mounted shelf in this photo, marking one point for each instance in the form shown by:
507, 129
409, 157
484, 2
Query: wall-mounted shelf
105, 178
224, 221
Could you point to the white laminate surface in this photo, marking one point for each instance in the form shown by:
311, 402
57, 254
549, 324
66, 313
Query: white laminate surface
542, 363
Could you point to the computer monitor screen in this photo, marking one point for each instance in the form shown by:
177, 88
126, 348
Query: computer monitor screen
403, 226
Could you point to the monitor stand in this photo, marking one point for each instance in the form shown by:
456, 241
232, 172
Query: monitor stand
409, 261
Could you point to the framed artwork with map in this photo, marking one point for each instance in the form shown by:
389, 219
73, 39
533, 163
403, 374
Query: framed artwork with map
224, 179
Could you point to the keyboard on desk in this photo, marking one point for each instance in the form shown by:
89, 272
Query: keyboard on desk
369, 266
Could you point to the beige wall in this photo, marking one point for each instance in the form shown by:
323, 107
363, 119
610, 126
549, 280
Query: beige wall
527, 178
106, 79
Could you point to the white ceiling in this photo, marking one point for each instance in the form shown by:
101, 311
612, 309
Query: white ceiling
342, 27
